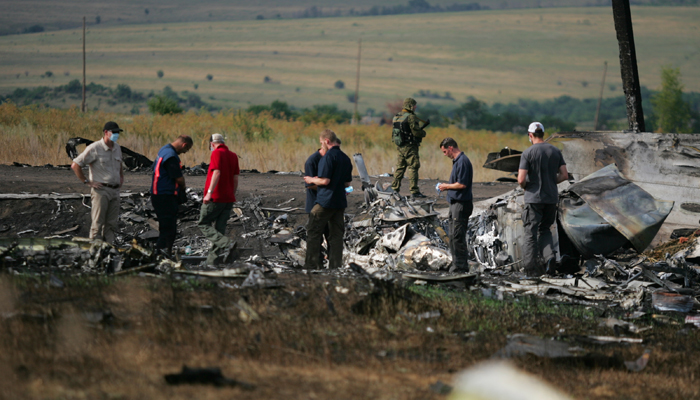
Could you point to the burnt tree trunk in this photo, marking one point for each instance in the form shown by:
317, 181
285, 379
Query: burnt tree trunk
628, 64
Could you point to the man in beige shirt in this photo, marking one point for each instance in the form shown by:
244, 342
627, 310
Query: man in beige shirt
104, 159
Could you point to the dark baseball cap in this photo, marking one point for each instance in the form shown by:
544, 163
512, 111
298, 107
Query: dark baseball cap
112, 126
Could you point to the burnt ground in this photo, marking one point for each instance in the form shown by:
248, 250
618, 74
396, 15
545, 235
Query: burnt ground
273, 189
321, 335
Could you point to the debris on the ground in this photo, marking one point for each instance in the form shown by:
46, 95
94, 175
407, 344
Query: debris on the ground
204, 376
598, 238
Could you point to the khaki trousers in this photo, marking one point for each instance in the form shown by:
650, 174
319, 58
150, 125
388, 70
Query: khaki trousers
105, 213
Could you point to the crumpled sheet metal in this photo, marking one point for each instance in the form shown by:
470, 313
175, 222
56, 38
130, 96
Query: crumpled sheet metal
625, 206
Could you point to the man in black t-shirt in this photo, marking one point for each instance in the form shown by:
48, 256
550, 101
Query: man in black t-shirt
542, 167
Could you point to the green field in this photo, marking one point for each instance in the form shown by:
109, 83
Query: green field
498, 55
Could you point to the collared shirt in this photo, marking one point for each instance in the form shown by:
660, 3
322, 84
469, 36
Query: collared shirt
105, 163
462, 172
311, 169
336, 166
226, 162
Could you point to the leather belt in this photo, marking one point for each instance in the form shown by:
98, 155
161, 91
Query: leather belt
110, 186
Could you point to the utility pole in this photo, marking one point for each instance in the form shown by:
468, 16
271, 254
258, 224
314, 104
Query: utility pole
600, 97
628, 64
357, 82
82, 107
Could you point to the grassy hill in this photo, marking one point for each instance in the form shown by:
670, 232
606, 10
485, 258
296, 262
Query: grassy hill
497, 55
18, 15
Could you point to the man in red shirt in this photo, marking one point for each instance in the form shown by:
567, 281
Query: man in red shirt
219, 196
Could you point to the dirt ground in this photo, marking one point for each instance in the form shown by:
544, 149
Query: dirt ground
322, 335
274, 189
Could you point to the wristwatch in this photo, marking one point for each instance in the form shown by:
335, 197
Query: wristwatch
86, 181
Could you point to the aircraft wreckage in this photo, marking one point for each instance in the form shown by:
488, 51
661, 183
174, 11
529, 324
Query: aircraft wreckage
605, 223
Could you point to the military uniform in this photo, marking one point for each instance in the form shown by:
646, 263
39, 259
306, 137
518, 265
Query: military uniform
407, 135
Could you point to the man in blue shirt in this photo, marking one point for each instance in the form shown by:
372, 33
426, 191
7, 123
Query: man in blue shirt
167, 186
459, 195
541, 168
334, 175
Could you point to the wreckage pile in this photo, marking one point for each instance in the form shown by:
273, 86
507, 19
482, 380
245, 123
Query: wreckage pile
600, 235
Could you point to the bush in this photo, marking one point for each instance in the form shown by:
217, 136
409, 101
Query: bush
278, 109
98, 19
48, 74
74, 87
160, 73
163, 105
33, 29
123, 92
339, 84
210, 77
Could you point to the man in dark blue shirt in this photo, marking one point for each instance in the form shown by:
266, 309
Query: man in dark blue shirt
459, 195
311, 169
167, 186
334, 175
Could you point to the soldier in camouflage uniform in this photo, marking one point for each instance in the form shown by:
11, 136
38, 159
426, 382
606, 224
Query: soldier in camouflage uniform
407, 135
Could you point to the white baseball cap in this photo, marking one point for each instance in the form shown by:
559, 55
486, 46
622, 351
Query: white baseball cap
535, 126
217, 138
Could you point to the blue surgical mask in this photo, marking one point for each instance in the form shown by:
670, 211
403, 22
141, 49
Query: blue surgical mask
114, 137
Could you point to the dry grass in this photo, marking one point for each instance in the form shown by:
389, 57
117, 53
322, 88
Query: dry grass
499, 55
37, 136
300, 347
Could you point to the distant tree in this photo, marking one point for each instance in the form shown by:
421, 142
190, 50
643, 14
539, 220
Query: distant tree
278, 109
670, 112
160, 73
351, 97
98, 19
33, 29
210, 77
196, 86
259, 17
146, 11
267, 79
123, 92
339, 84
74, 87
48, 74
162, 105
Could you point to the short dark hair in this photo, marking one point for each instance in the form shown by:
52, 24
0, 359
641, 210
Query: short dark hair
186, 140
447, 142
538, 133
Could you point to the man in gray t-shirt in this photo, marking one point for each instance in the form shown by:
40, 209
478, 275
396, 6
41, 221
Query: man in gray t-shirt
542, 167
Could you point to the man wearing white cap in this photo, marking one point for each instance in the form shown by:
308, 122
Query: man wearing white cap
541, 168
219, 196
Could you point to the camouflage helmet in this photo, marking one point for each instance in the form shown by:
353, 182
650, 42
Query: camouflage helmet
408, 103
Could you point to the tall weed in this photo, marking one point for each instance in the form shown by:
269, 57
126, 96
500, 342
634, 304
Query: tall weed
37, 136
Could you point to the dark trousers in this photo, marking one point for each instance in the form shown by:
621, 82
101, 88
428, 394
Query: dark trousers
165, 206
459, 220
537, 221
319, 219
